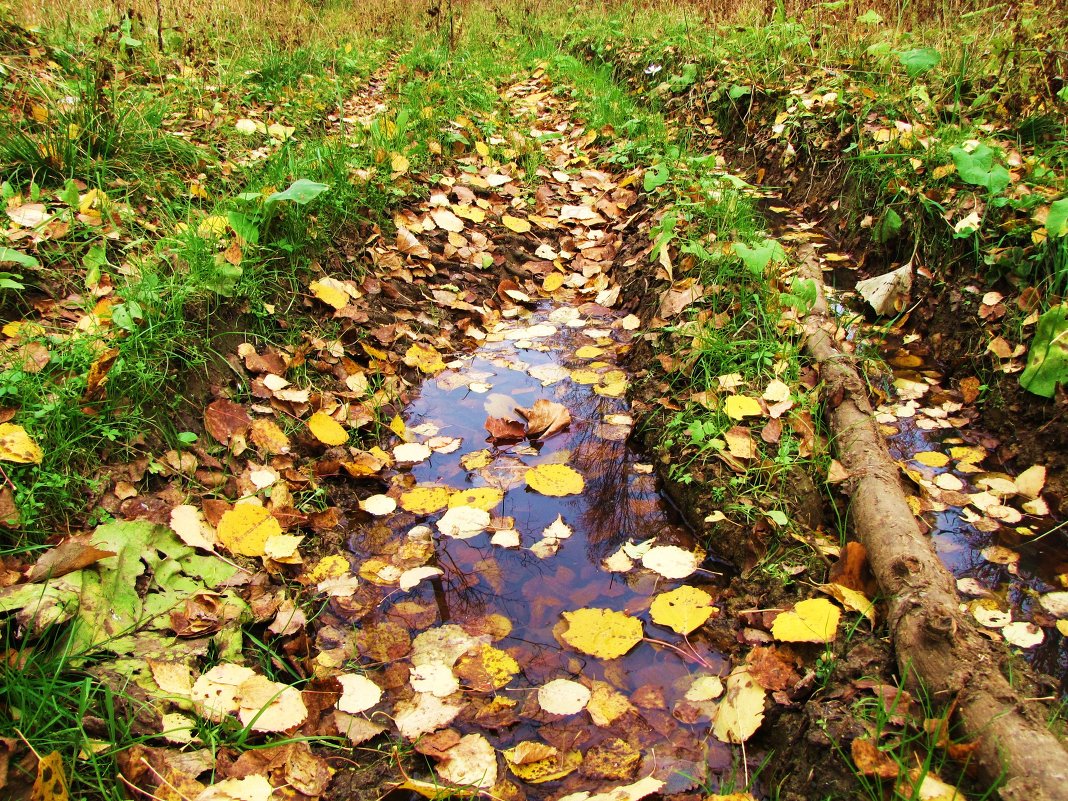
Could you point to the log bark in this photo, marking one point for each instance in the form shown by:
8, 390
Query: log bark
934, 642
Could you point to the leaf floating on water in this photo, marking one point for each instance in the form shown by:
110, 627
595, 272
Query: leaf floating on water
603, 633
1023, 635
425, 500
425, 358
545, 418
502, 430
411, 453
434, 678
683, 610
378, 505
485, 498
741, 711
463, 522
812, 620
671, 561
412, 577
628, 792
554, 765
555, 480
423, 714
563, 697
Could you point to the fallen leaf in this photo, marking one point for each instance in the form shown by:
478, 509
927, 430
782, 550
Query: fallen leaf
812, 620
327, 430
224, 420
604, 633
463, 522
331, 292
555, 480
265, 705
741, 711
740, 406
246, 528
563, 697
671, 561
18, 446
545, 418
517, 224
358, 693
65, 558
683, 609
472, 762
888, 293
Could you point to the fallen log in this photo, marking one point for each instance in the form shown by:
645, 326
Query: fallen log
934, 642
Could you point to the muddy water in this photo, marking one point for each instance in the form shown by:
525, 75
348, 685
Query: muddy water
619, 504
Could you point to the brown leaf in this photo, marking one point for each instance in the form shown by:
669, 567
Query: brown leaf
502, 430
771, 669
545, 418
969, 388
66, 558
225, 419
870, 761
201, 614
852, 570
98, 373
160, 773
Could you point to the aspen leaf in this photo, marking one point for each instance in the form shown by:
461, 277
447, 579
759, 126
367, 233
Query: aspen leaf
51, 781
327, 430
741, 711
425, 358
563, 697
463, 522
551, 767
18, 446
471, 762
683, 609
485, 498
265, 705
411, 453
425, 500
812, 620
670, 561
552, 282
246, 528
931, 458
358, 693
555, 480
603, 633
331, 292
434, 678
411, 578
739, 406
851, 599
399, 163
517, 224
446, 220
378, 505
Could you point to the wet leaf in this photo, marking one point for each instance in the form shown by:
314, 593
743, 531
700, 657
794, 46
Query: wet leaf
741, 711
327, 430
545, 418
18, 446
555, 480
671, 561
563, 697
246, 528
502, 430
603, 633
358, 693
265, 705
423, 714
683, 610
463, 522
548, 768
471, 762
434, 678
378, 505
411, 453
425, 500
425, 358
812, 620
485, 498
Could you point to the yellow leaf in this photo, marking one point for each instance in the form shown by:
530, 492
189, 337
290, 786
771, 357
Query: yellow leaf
682, 609
547, 769
972, 454
327, 430
246, 528
931, 458
589, 352
328, 567
585, 376
425, 500
851, 599
603, 633
212, 227
484, 498
331, 292
552, 282
739, 406
482, 149
18, 446
396, 425
399, 164
555, 479
424, 357
813, 620
51, 782
476, 460
517, 224
741, 711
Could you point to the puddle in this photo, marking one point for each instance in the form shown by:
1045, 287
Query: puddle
1001, 540
566, 356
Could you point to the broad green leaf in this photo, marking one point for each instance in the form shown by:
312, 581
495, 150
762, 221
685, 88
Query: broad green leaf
918, 61
888, 226
12, 256
301, 191
870, 17
244, 227
978, 168
1047, 363
655, 177
1057, 219
757, 259
737, 91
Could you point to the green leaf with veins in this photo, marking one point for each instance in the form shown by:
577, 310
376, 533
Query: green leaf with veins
1047, 363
